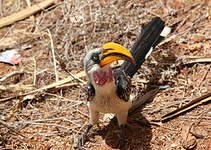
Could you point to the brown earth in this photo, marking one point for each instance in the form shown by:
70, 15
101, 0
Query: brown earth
53, 118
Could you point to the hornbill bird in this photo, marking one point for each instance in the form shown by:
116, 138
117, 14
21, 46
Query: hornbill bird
109, 89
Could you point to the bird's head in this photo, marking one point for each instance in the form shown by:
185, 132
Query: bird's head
97, 61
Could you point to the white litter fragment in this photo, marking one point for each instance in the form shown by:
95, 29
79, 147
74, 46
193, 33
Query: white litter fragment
11, 57
108, 117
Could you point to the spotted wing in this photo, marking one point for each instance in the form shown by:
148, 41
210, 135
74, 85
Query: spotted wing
90, 91
123, 85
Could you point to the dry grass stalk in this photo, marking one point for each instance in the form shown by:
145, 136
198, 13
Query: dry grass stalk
53, 53
35, 71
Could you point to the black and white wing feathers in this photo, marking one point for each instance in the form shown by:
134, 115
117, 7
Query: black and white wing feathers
90, 91
123, 85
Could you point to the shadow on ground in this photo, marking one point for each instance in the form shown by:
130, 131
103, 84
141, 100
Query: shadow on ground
138, 134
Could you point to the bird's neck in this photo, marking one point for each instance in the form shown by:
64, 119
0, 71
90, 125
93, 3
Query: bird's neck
103, 80
102, 76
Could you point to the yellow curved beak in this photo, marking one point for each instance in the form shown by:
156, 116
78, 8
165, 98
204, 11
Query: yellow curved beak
112, 52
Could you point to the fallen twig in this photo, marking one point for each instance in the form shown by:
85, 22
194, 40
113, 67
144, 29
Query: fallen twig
156, 110
55, 84
66, 85
16, 87
10, 75
63, 98
63, 66
195, 102
191, 60
26, 12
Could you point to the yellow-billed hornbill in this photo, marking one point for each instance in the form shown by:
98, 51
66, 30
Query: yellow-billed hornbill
109, 89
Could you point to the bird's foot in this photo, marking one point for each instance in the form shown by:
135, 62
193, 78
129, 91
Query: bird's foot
82, 139
121, 136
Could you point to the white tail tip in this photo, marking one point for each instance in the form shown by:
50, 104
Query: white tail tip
166, 31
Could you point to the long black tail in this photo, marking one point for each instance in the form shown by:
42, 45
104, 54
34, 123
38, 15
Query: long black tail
150, 36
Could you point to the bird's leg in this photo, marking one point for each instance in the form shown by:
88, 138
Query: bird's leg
94, 117
122, 120
121, 136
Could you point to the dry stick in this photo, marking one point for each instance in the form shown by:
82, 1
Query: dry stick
167, 106
64, 99
196, 60
53, 53
26, 12
76, 78
196, 117
55, 84
67, 85
15, 87
195, 102
151, 12
10, 75
79, 81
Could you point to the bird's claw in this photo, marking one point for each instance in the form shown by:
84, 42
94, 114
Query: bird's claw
120, 142
121, 137
83, 137
81, 142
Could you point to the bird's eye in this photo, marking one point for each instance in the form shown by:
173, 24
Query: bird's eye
95, 58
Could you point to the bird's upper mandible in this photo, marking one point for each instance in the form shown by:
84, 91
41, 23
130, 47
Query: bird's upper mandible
109, 53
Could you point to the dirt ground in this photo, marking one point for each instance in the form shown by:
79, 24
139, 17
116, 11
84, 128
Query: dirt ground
52, 118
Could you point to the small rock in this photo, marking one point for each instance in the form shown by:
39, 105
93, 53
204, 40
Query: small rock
173, 145
190, 142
